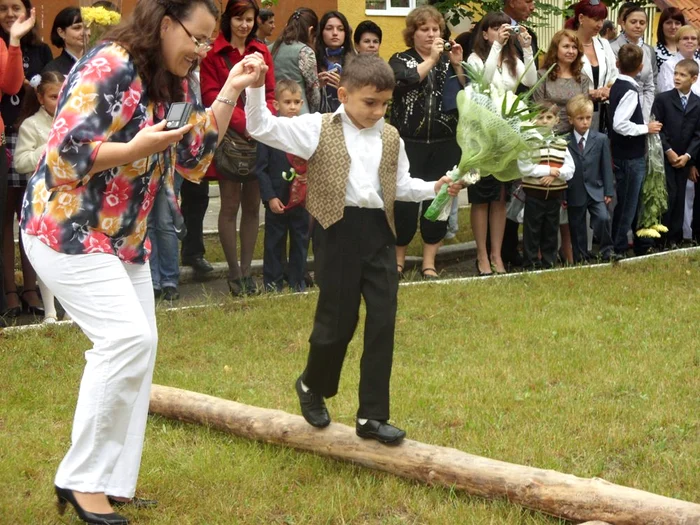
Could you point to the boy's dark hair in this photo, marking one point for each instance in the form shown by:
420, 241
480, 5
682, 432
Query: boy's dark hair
64, 19
367, 70
629, 59
286, 84
367, 26
690, 66
265, 14
237, 8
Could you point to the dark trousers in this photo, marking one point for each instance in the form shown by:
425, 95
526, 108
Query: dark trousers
3, 201
600, 223
629, 177
429, 161
194, 202
295, 224
696, 214
355, 258
540, 229
673, 218
509, 249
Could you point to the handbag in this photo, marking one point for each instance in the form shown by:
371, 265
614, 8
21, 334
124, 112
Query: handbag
236, 156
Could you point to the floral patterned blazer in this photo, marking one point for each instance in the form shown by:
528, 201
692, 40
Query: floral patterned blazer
105, 100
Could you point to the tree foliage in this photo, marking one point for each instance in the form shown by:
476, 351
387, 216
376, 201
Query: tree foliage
455, 10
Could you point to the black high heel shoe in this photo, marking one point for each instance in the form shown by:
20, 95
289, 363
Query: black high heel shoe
66, 496
28, 308
15, 311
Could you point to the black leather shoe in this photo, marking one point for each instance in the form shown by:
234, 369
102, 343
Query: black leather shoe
313, 407
170, 293
66, 496
381, 431
137, 503
199, 264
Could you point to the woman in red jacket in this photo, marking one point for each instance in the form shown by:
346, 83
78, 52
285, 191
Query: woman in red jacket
236, 40
11, 81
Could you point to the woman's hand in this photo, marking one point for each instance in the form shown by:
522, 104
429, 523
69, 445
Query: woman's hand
504, 34
525, 38
436, 50
154, 139
247, 72
21, 27
456, 54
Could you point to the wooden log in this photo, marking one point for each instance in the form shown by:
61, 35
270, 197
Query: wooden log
548, 491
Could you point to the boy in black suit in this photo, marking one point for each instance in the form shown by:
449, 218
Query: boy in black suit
274, 191
679, 111
591, 188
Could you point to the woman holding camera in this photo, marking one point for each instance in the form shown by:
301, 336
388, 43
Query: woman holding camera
333, 44
84, 225
239, 24
428, 127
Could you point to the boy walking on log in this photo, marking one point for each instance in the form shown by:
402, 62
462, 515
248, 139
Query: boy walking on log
357, 169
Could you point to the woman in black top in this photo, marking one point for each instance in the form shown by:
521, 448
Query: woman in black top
425, 123
67, 33
35, 56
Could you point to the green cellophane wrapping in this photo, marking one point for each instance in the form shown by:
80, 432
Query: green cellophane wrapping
653, 200
490, 143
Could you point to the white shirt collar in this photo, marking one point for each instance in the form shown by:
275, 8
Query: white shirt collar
579, 137
628, 79
686, 95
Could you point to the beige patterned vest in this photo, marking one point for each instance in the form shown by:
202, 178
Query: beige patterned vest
329, 169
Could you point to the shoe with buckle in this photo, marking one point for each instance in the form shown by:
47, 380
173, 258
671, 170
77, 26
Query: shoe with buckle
381, 431
313, 407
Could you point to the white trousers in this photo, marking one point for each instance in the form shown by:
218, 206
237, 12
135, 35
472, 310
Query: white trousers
113, 304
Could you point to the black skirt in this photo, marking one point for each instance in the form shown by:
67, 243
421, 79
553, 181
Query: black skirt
488, 189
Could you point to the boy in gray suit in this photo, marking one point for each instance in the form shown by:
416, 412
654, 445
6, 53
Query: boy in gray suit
591, 188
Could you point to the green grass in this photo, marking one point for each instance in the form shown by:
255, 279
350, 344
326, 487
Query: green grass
593, 372
214, 252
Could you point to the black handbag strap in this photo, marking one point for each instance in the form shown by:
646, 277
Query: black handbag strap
229, 65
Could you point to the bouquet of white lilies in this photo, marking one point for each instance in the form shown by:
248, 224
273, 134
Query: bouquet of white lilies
493, 131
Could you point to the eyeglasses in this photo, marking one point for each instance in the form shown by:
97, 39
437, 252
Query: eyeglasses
199, 47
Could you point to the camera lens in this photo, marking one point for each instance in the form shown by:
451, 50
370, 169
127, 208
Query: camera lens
447, 47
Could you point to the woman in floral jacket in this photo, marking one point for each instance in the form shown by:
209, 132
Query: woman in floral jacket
84, 225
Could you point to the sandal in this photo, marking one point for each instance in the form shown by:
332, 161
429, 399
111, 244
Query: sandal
15, 311
427, 276
28, 308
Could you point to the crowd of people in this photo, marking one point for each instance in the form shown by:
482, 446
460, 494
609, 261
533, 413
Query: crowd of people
582, 58
93, 158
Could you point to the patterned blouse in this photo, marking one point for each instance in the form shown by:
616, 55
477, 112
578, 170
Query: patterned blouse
73, 212
663, 54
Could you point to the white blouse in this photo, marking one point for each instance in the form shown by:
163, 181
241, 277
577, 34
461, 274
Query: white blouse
500, 76
607, 72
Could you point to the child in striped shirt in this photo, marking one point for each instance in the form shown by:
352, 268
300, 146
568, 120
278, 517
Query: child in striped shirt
545, 172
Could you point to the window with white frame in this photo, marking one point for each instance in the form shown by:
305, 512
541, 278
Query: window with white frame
391, 7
